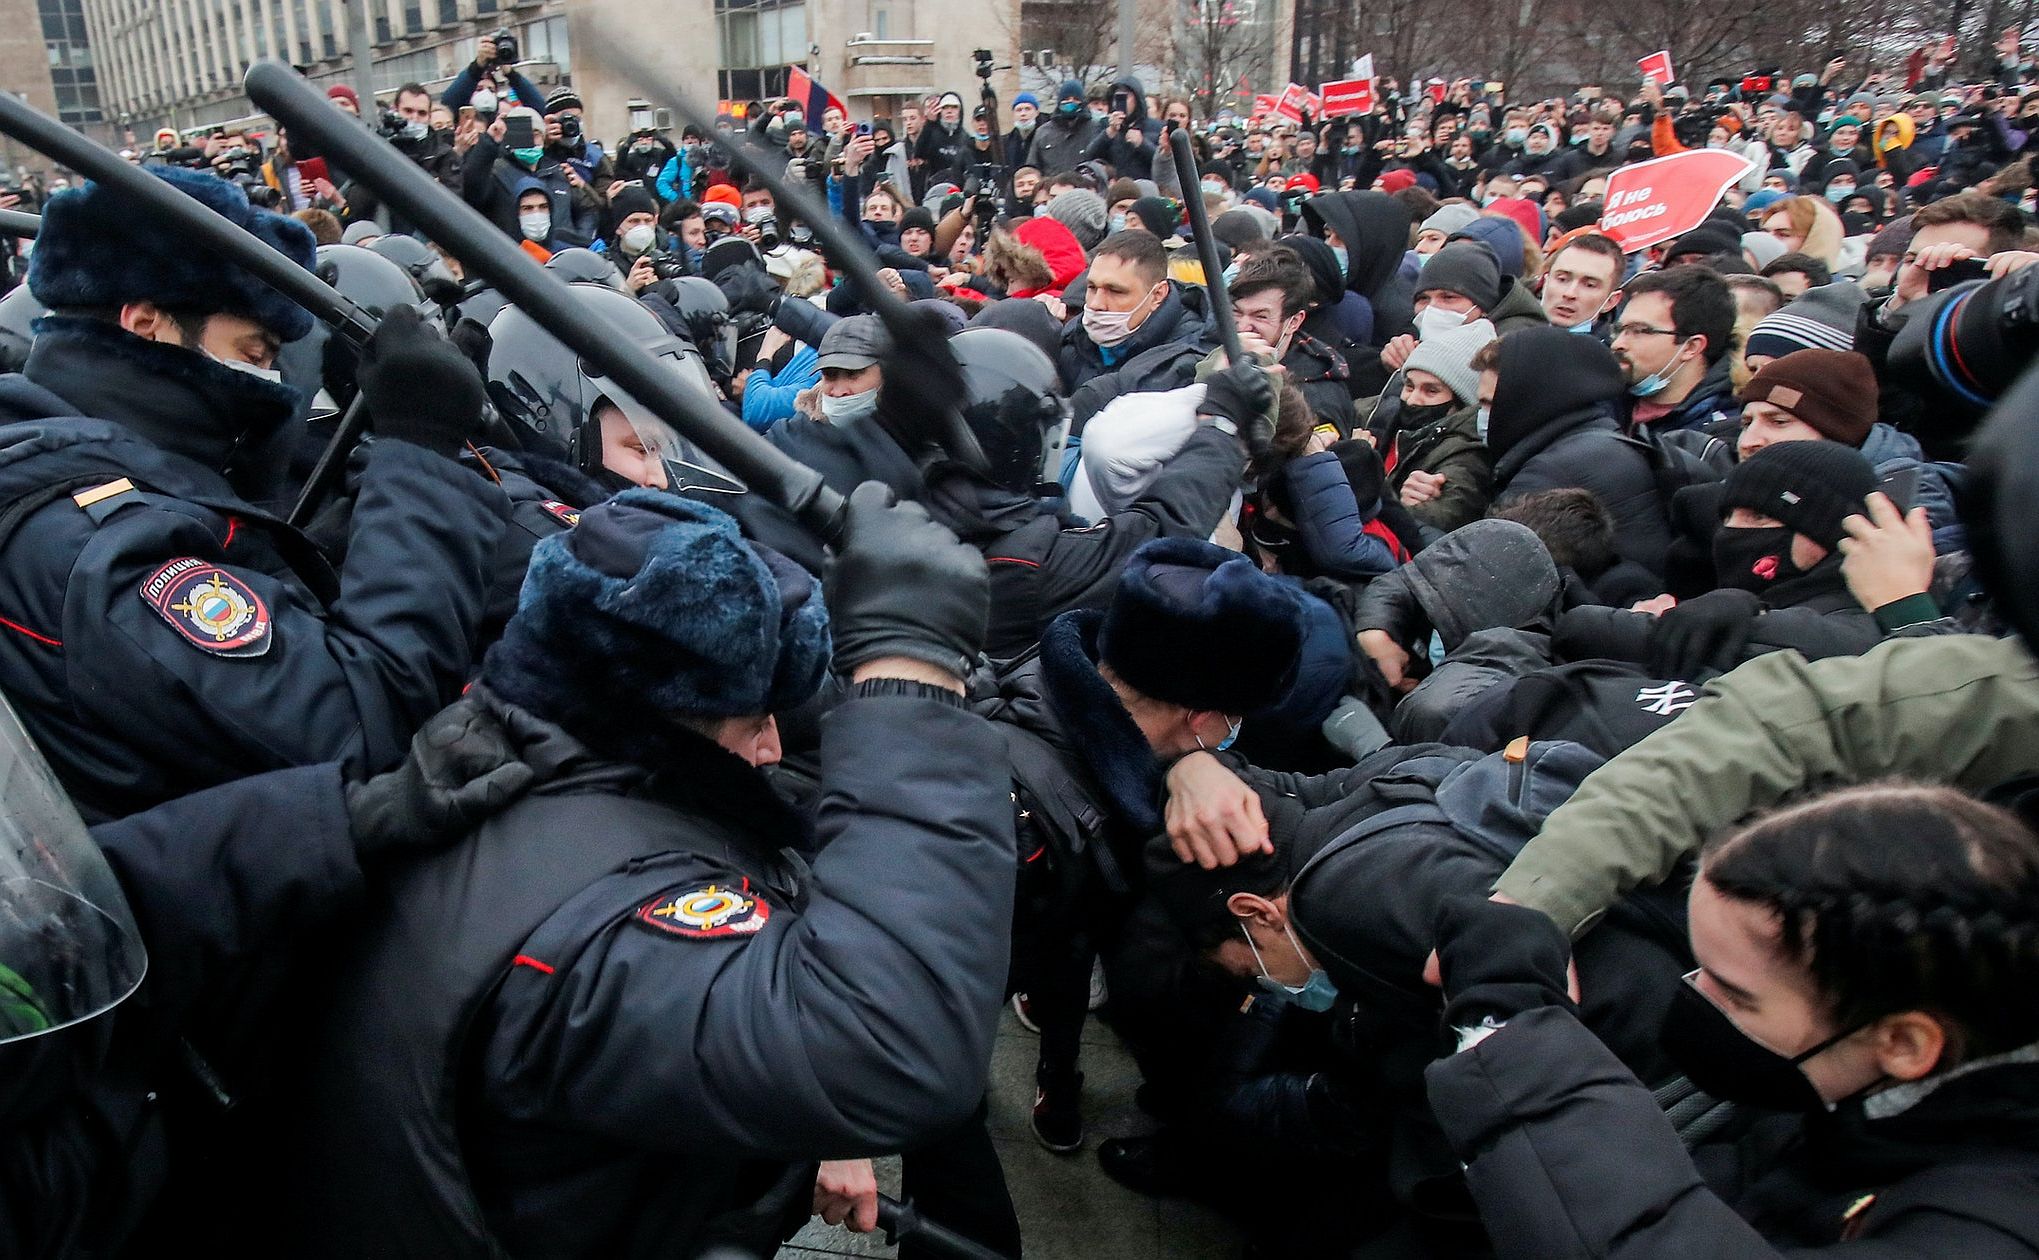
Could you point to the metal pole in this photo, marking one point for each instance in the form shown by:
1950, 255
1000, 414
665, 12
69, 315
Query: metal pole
20, 223
361, 48
1128, 17
488, 253
901, 1221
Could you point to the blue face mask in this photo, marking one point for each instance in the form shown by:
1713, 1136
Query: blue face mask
1314, 994
528, 157
1584, 326
1231, 736
1840, 193
1653, 384
1231, 273
1344, 265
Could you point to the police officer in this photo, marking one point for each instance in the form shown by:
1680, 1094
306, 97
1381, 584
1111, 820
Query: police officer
624, 1020
161, 632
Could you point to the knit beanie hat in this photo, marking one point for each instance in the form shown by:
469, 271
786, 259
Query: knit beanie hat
1083, 213
1238, 227
1396, 180
1522, 212
1448, 356
633, 198
917, 217
1194, 624
1449, 219
1822, 318
1154, 214
1810, 486
1893, 241
1762, 199
1467, 268
652, 608
1834, 391
1761, 248
1708, 238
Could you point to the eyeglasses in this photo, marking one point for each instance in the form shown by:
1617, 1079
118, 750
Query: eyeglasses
1642, 330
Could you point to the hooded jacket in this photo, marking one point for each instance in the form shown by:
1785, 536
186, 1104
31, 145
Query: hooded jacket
1051, 247
1375, 230
1181, 318
1449, 445
1132, 161
1340, 318
1059, 142
1553, 426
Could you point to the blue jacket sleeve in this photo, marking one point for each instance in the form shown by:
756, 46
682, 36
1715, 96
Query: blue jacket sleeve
1329, 520
768, 398
461, 90
667, 175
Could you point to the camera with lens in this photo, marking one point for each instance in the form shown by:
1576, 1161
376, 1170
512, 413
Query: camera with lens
570, 128
506, 47
984, 66
1965, 345
259, 194
667, 265
766, 225
236, 164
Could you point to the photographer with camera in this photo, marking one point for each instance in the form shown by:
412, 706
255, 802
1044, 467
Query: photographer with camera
491, 84
408, 128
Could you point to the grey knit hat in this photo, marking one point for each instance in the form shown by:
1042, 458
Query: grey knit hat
1450, 219
1467, 268
1448, 356
1083, 213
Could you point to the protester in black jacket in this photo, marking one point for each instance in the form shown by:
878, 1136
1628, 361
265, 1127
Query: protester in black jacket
632, 937
1369, 231
1552, 399
1864, 966
1130, 306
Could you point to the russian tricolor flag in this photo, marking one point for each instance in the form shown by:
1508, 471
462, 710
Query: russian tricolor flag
814, 100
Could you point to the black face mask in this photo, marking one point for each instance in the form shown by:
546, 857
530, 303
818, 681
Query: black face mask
1753, 559
1422, 417
1727, 1063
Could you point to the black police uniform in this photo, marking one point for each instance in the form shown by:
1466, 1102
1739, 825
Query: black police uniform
159, 633
621, 1021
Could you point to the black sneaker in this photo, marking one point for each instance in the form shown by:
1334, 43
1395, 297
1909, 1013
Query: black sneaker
1145, 1165
1057, 1120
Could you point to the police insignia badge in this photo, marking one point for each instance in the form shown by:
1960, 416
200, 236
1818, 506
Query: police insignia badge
565, 515
705, 910
215, 611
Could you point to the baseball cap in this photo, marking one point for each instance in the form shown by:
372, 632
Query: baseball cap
853, 344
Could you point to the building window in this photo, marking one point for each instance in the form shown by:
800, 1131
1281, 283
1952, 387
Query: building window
758, 39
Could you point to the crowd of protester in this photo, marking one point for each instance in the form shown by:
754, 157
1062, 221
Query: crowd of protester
1532, 760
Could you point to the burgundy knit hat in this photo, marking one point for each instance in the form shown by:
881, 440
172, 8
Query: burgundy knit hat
1834, 391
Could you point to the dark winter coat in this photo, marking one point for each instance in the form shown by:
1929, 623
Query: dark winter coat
1711, 402
136, 701
1060, 143
620, 946
1568, 1148
1375, 230
1181, 318
1814, 615
1451, 446
1553, 426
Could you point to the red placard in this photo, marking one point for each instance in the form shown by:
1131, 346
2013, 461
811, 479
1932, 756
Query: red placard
1293, 98
1263, 105
1657, 66
1347, 96
1655, 201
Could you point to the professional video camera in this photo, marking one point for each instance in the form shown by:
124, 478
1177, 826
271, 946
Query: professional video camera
1966, 344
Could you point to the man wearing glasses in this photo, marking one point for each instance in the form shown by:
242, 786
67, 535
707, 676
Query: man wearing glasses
1672, 341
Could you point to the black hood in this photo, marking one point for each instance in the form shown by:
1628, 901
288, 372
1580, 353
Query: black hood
1130, 84
1547, 374
1375, 229
1323, 265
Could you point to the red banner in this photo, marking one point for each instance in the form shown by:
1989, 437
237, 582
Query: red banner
1293, 98
1656, 201
1263, 106
1348, 96
1657, 66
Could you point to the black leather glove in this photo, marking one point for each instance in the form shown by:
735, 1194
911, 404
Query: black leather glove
898, 584
472, 337
750, 289
1242, 394
1498, 960
922, 386
1703, 635
420, 387
463, 769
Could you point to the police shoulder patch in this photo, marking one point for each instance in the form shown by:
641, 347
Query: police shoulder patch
704, 911
563, 513
212, 609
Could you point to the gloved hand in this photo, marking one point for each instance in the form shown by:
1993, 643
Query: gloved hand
463, 769
472, 338
420, 387
923, 386
1498, 960
898, 584
1242, 394
1704, 634
750, 289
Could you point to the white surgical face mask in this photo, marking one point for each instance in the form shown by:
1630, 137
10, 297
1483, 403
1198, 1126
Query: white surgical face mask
535, 226
1480, 421
1109, 328
1433, 319
849, 408
269, 374
639, 238
484, 101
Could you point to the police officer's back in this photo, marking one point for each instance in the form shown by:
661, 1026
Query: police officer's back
162, 632
622, 1020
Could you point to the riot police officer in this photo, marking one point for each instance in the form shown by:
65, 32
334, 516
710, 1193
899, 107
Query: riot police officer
161, 632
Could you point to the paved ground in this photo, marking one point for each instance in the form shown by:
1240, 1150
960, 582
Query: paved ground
1067, 1207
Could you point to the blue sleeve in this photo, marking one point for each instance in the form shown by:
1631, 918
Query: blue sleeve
667, 174
835, 196
1330, 522
461, 90
527, 91
768, 397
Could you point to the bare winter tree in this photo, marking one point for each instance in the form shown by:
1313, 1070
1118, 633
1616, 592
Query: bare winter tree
1221, 43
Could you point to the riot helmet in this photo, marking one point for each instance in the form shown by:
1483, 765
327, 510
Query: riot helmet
424, 264
551, 398
585, 266
1009, 403
705, 311
18, 312
367, 279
